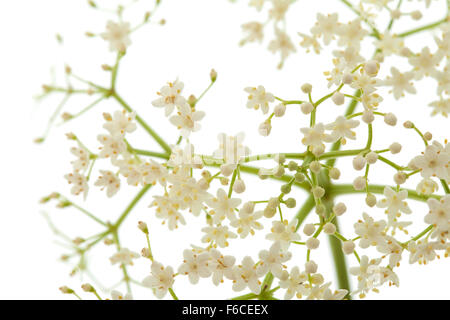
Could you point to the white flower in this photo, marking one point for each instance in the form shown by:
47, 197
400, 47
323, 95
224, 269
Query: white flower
427, 186
392, 249
152, 172
441, 106
186, 119
284, 233
394, 202
118, 35
160, 279
247, 221
279, 8
439, 214
120, 123
245, 275
109, 181
223, 206
117, 295
254, 32
272, 260
351, 34
400, 82
82, 163
371, 101
259, 98
231, 149
367, 275
326, 27
389, 44
168, 210
221, 266
424, 63
79, 183
341, 128
364, 82
351, 57
315, 137
294, 283
443, 80
112, 147
187, 191
283, 44
124, 256
423, 251
195, 266
333, 295
370, 231
434, 162
308, 42
219, 235
170, 97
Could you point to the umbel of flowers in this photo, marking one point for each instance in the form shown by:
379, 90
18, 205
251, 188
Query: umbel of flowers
214, 185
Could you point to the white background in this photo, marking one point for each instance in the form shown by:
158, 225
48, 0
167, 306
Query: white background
199, 35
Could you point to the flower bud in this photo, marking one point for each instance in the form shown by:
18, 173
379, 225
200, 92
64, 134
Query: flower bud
143, 227
309, 229
292, 166
347, 78
66, 290
400, 177
299, 177
359, 162
320, 209
408, 125
312, 243
348, 247
416, 15
395, 148
265, 128
329, 228
306, 88
87, 287
371, 68
428, 136
334, 173
359, 183
372, 157
279, 110
290, 203
273, 203
280, 172
285, 188
368, 116
395, 14
239, 186
213, 75
318, 192
310, 267
339, 209
315, 166
306, 107
269, 212
338, 98
371, 200
390, 119
227, 169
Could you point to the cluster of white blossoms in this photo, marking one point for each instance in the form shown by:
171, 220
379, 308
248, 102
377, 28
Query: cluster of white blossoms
213, 187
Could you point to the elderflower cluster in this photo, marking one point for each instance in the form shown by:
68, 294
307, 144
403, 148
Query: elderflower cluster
211, 189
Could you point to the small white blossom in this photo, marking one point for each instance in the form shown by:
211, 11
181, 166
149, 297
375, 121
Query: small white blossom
371, 231
160, 279
118, 35
245, 275
272, 260
247, 223
124, 256
259, 98
223, 207
284, 233
195, 265
109, 181
170, 97
218, 234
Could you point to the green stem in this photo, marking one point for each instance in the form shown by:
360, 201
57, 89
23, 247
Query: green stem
132, 205
172, 293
